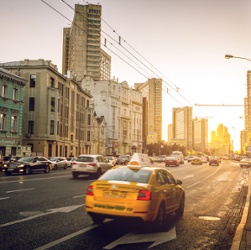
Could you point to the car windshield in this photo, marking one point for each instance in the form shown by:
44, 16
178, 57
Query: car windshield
127, 174
85, 159
26, 159
53, 158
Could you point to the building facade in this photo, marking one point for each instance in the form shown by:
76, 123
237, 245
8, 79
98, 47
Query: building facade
200, 135
182, 127
152, 91
82, 53
11, 113
58, 115
122, 108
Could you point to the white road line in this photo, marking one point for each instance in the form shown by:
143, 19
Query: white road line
4, 198
78, 196
20, 190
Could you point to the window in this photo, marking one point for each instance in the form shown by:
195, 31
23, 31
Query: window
15, 94
31, 127
4, 91
53, 104
88, 135
52, 127
3, 120
14, 123
52, 82
89, 120
32, 104
32, 81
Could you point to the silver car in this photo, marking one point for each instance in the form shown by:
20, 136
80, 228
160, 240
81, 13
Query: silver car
92, 165
59, 162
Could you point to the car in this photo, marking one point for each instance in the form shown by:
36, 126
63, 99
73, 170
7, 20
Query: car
59, 162
92, 165
139, 191
196, 160
214, 160
204, 159
70, 160
172, 161
111, 159
7, 159
28, 165
245, 162
123, 159
161, 158
189, 158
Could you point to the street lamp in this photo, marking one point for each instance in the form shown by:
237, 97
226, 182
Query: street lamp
228, 56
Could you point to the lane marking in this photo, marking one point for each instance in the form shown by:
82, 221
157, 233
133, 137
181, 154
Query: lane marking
4, 198
20, 190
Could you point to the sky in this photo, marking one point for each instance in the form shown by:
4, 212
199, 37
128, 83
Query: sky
183, 42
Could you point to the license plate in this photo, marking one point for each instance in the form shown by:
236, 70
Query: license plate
114, 194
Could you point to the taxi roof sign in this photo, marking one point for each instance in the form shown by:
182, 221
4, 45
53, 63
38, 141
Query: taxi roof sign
140, 160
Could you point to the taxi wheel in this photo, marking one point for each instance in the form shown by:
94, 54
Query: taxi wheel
160, 220
47, 169
27, 170
97, 219
180, 210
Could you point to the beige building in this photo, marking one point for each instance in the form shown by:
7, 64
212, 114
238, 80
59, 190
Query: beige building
122, 108
82, 54
58, 115
182, 127
152, 91
200, 135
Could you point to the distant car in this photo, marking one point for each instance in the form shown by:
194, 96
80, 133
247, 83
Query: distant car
172, 161
70, 160
92, 165
245, 162
161, 158
123, 159
28, 165
196, 160
204, 159
111, 159
136, 191
214, 160
59, 162
189, 158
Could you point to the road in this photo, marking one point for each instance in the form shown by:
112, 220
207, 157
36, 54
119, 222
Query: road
46, 211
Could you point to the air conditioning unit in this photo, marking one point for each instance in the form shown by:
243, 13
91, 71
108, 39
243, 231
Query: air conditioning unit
28, 135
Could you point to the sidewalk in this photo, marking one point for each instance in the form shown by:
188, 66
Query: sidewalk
242, 238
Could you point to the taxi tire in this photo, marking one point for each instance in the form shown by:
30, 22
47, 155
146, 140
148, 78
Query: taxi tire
160, 221
27, 170
97, 219
180, 210
47, 169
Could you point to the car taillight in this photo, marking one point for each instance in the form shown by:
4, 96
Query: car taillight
74, 163
89, 190
92, 164
144, 195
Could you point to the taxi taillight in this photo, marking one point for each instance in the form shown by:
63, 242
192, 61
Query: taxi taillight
144, 195
89, 190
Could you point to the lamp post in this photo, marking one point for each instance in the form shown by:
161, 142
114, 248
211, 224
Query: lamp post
248, 128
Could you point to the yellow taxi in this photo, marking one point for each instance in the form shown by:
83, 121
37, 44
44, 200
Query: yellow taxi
138, 191
196, 160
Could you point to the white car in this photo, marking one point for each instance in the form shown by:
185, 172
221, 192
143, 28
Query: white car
92, 165
59, 162
111, 159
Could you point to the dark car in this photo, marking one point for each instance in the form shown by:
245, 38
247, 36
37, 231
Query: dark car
214, 161
28, 165
172, 161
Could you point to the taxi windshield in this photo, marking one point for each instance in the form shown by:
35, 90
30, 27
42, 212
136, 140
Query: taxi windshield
127, 174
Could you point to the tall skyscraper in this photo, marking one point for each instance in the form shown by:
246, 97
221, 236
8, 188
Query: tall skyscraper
200, 135
152, 91
182, 127
82, 53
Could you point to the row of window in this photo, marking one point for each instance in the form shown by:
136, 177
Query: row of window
4, 92
4, 120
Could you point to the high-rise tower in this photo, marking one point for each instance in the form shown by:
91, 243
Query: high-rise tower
82, 54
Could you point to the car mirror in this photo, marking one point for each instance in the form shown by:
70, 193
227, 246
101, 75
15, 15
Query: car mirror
179, 182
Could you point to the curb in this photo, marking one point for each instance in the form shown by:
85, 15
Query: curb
239, 231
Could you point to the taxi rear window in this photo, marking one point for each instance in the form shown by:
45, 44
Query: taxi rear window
127, 174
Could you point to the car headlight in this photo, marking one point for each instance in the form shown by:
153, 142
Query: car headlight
20, 166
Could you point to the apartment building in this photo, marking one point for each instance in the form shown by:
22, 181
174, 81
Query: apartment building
58, 115
11, 113
200, 135
182, 127
82, 53
152, 91
122, 108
